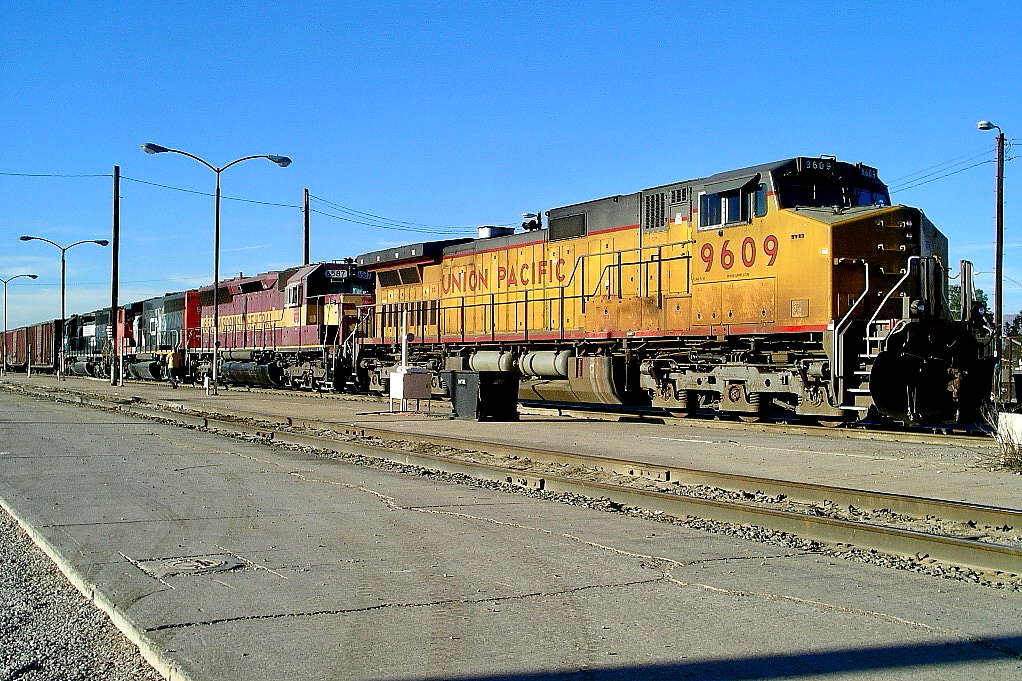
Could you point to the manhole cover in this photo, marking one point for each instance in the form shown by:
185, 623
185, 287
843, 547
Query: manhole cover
189, 565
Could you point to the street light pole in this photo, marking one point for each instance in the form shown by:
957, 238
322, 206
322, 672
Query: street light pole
63, 269
3, 349
998, 252
283, 162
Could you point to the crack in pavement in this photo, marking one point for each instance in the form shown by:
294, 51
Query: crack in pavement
668, 565
382, 606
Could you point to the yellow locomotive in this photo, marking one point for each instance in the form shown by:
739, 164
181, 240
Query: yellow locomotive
790, 286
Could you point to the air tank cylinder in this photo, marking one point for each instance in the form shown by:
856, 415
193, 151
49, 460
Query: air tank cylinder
548, 363
147, 371
492, 360
248, 373
80, 368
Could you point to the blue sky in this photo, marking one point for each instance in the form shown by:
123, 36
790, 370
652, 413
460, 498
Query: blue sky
458, 114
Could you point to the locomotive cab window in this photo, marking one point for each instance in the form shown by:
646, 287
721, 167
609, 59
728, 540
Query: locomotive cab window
730, 202
294, 295
761, 200
729, 208
817, 183
865, 197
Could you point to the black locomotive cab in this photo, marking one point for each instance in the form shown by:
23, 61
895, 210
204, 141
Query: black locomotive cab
827, 183
340, 278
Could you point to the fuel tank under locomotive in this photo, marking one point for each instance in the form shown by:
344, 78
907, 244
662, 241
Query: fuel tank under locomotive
146, 370
927, 371
250, 373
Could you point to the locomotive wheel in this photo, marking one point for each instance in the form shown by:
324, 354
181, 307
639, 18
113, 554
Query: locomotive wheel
683, 413
751, 418
830, 423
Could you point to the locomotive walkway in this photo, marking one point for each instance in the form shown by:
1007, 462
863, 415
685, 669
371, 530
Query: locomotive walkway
340, 571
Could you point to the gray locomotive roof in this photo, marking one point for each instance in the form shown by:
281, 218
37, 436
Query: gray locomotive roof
427, 250
738, 174
718, 182
498, 242
719, 178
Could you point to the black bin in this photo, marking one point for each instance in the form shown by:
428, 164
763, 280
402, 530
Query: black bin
483, 395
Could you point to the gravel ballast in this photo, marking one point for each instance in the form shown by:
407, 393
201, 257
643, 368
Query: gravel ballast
48, 629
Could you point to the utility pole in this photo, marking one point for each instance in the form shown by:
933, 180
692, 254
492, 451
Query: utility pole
998, 256
115, 362
305, 261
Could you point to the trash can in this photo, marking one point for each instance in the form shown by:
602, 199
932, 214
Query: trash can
483, 395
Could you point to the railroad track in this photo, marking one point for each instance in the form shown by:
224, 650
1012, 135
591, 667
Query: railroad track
946, 434
659, 489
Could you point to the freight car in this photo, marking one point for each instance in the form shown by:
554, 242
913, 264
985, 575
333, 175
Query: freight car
288, 328
33, 348
791, 286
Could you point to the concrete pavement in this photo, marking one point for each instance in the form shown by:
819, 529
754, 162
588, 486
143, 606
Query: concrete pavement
233, 560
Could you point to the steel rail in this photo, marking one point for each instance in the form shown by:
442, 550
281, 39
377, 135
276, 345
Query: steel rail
919, 546
918, 507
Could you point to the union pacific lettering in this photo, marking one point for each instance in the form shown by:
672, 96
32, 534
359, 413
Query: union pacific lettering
465, 281
536, 273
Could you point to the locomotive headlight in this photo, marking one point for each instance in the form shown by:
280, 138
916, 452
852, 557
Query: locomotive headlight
909, 236
918, 307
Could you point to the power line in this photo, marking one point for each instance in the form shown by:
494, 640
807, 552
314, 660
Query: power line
939, 177
344, 213
918, 176
379, 219
38, 284
398, 228
964, 158
193, 191
50, 175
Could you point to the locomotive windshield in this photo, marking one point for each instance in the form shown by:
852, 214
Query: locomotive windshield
818, 183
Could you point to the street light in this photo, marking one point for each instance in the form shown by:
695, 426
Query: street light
998, 250
3, 349
283, 162
63, 268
